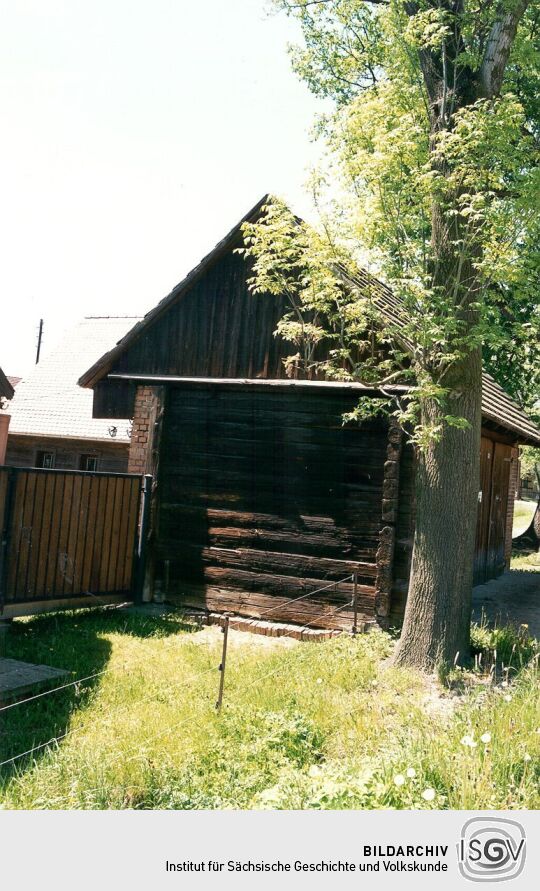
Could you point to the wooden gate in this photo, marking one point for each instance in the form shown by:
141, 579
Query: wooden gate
67, 537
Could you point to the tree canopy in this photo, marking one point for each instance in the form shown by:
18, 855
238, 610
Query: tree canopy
431, 182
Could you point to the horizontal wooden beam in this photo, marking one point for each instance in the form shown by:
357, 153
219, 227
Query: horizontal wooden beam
286, 384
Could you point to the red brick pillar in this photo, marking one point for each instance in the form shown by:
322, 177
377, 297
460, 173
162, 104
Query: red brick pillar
144, 458
145, 412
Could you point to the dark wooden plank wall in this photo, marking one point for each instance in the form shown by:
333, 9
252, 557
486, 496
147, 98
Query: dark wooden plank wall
22, 450
67, 534
487, 450
264, 496
217, 329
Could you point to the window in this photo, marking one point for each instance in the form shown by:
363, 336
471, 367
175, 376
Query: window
88, 462
45, 459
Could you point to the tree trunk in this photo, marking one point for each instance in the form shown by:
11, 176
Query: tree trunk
436, 627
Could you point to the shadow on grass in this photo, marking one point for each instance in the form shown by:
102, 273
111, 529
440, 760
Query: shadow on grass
74, 641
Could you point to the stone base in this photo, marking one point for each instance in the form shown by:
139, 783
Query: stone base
19, 679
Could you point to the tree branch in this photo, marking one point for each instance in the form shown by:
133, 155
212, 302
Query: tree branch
498, 48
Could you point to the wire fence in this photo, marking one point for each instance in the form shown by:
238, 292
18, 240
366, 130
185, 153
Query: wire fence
295, 632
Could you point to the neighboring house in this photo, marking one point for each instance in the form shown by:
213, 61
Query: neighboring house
51, 423
6, 393
263, 494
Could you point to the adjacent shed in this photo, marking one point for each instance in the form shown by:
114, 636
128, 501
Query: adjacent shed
262, 493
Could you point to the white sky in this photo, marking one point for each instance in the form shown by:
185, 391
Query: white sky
135, 133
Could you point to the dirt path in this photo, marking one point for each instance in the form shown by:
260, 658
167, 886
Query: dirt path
513, 597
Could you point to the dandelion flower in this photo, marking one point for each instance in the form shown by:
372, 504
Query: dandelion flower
467, 740
411, 772
526, 757
428, 794
319, 680
508, 698
399, 779
486, 737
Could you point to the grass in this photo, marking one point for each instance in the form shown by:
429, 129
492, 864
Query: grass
526, 560
523, 513
326, 725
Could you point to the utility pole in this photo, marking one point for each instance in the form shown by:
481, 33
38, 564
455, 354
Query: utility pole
40, 338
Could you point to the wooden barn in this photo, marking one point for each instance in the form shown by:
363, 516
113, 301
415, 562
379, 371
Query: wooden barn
261, 493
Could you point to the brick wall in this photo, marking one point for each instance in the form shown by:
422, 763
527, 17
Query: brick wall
513, 484
144, 418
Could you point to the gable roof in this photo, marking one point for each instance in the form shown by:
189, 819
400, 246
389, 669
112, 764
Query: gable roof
6, 388
48, 402
500, 408
497, 406
233, 239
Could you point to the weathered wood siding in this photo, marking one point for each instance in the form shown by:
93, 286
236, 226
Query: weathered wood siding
217, 329
265, 496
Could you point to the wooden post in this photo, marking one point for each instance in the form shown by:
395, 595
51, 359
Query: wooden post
225, 630
355, 604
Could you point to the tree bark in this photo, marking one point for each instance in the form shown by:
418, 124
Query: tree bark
436, 628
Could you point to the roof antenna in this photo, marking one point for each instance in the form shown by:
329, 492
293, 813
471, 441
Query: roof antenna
40, 338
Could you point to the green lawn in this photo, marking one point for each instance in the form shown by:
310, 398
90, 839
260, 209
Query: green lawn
528, 560
523, 513
325, 725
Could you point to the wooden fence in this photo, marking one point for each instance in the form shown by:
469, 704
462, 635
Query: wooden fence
67, 536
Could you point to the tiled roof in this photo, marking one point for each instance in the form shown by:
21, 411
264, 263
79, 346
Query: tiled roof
497, 406
48, 402
13, 380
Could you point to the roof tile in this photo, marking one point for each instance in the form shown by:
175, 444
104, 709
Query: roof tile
48, 402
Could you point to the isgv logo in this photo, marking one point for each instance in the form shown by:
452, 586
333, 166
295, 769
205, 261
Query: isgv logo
491, 849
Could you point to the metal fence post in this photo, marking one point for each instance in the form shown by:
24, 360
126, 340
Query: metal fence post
355, 604
225, 630
9, 501
142, 540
